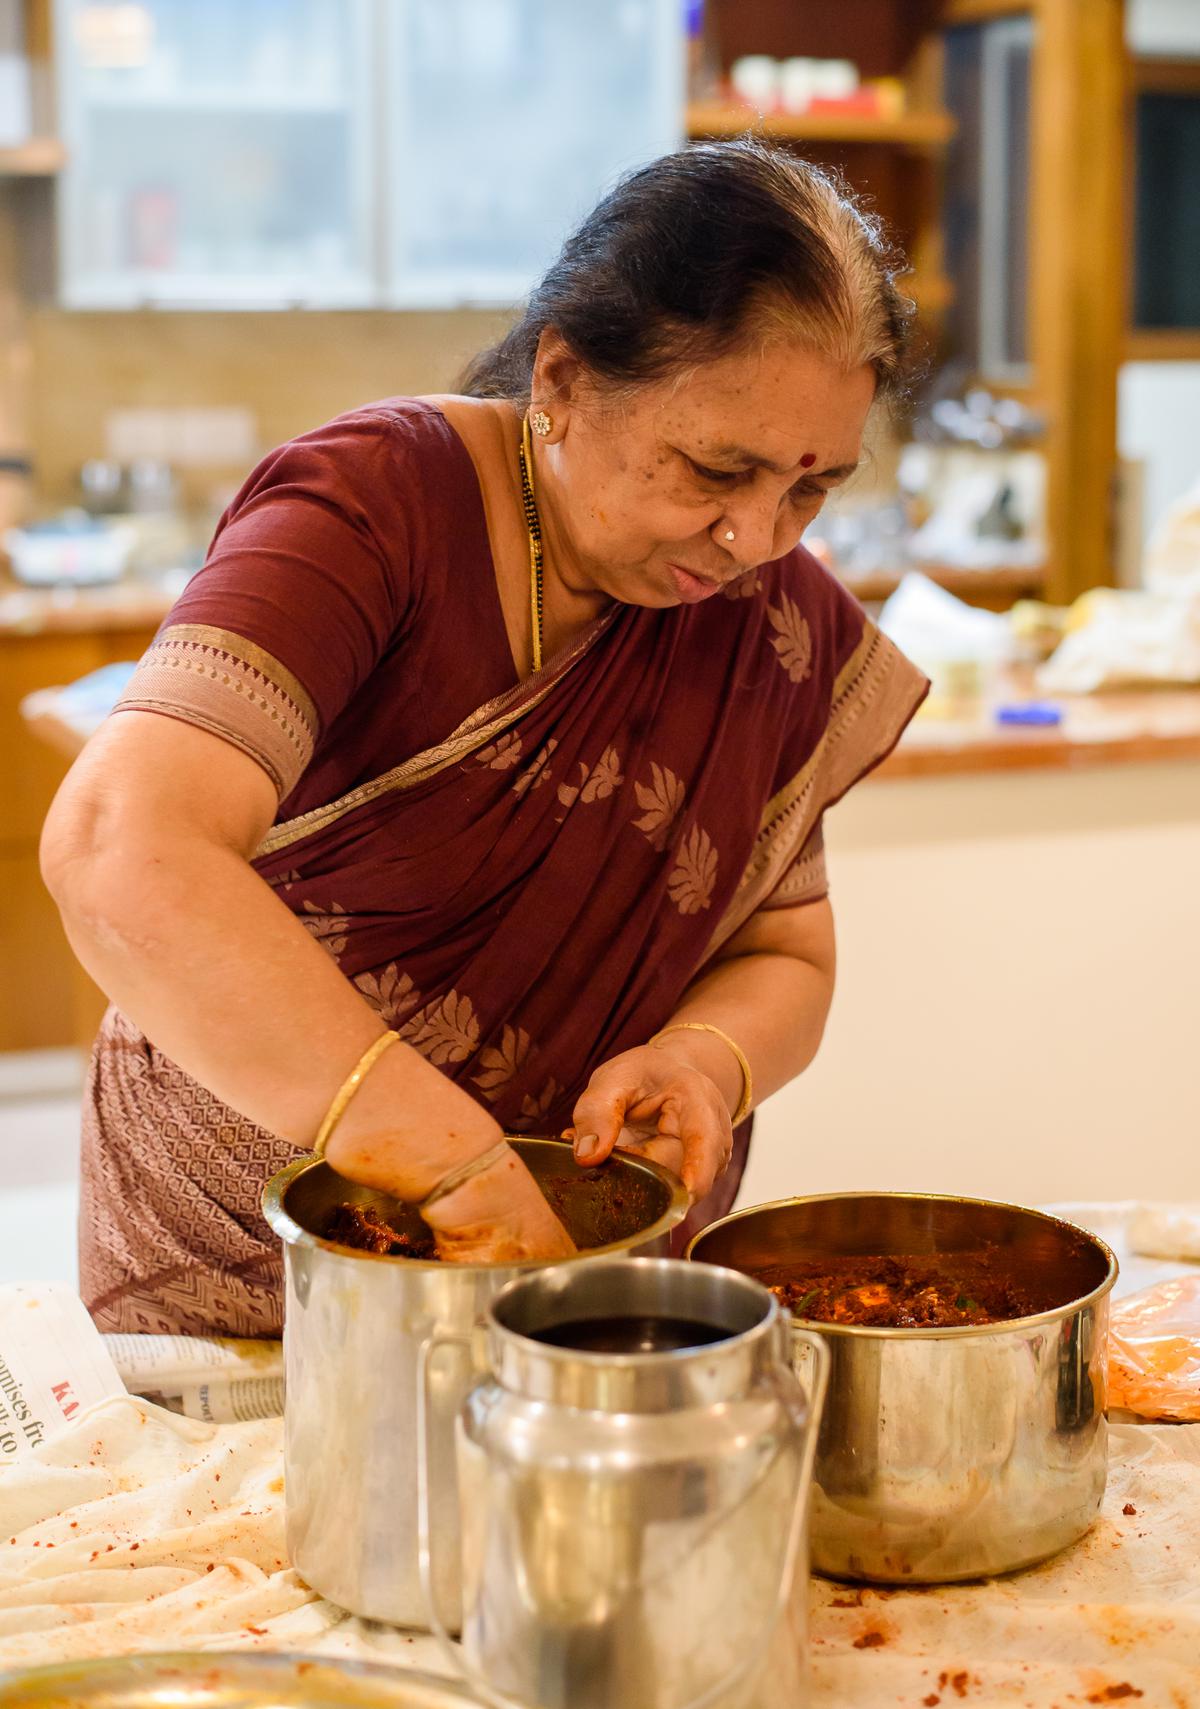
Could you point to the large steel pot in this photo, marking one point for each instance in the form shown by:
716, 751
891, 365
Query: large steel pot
354, 1325
947, 1453
211, 1680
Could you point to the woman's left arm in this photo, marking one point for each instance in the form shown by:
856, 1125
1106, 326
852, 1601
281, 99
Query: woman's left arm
769, 989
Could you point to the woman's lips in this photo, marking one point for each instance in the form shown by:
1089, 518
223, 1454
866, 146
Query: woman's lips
692, 588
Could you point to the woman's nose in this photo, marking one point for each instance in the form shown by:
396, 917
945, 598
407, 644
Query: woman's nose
753, 524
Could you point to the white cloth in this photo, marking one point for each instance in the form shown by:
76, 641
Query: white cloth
139, 1530
1165, 1230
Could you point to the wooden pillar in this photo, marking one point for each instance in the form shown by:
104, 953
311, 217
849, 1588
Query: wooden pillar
1077, 274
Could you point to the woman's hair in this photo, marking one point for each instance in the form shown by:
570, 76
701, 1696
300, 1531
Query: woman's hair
702, 252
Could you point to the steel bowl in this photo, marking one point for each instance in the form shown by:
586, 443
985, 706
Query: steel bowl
947, 1453
210, 1680
354, 1325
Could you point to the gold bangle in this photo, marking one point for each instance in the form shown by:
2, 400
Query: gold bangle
747, 1098
348, 1088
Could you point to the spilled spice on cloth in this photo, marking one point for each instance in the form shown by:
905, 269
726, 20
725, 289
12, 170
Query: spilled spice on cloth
1129, 1510
1113, 1693
869, 1641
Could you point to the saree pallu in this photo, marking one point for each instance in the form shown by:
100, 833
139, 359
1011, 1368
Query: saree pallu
523, 901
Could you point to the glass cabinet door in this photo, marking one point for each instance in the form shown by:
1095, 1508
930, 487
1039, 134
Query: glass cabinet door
506, 121
221, 153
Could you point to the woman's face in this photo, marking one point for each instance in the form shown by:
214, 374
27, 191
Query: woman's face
642, 495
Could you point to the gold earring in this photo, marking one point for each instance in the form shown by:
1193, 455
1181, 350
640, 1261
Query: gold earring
540, 423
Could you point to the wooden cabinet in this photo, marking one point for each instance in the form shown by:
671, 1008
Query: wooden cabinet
896, 160
45, 998
1067, 260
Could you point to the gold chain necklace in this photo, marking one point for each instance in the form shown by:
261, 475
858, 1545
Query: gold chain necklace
533, 526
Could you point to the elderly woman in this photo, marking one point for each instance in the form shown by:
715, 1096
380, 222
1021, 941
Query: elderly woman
476, 781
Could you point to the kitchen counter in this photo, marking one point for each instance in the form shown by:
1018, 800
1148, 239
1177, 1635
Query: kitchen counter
1122, 727
1129, 726
85, 611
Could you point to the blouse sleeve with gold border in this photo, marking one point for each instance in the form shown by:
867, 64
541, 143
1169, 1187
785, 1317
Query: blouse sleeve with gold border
306, 584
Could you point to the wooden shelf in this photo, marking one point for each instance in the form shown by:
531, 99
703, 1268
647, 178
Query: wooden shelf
41, 158
918, 131
996, 589
1162, 344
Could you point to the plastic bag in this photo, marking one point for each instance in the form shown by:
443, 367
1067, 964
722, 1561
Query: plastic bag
1154, 1351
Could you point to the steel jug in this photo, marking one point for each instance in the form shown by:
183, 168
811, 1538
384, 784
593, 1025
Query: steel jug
633, 1521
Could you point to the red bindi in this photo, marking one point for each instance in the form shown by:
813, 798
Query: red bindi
808, 459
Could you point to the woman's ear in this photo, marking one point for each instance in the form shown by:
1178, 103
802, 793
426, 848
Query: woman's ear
556, 383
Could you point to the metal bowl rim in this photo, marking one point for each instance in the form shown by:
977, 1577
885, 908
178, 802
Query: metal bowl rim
187, 1663
767, 1325
293, 1234
951, 1332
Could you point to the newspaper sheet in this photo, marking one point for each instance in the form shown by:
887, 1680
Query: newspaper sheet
53, 1365
221, 1380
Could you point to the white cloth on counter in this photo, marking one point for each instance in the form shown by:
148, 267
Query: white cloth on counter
1165, 1230
1172, 559
1129, 638
140, 1530
135, 1529
1139, 636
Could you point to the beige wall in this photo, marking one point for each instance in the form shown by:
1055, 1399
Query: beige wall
292, 371
1018, 1011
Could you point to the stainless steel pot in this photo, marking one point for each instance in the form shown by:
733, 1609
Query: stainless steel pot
210, 1680
354, 1325
947, 1453
633, 1513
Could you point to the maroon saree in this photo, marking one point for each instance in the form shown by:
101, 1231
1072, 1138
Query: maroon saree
526, 895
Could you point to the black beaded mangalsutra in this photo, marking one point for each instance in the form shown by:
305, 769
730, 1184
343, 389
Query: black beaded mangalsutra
533, 526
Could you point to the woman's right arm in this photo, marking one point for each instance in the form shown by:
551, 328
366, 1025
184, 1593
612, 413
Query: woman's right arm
146, 850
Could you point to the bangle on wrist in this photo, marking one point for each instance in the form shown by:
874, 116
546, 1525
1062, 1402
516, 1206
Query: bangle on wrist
349, 1087
745, 1102
465, 1172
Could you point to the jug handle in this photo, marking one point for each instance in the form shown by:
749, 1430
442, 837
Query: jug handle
454, 1653
818, 1375
818, 1371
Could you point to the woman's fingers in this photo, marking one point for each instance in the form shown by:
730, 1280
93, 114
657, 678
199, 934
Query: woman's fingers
647, 1102
600, 1112
659, 1148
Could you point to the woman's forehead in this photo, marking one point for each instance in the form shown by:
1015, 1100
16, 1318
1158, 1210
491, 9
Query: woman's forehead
770, 409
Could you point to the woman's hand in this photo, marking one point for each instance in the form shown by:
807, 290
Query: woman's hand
656, 1102
498, 1217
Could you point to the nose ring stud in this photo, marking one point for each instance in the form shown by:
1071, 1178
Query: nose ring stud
729, 534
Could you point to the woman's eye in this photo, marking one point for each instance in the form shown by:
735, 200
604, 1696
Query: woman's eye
721, 477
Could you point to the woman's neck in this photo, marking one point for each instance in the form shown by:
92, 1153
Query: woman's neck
491, 432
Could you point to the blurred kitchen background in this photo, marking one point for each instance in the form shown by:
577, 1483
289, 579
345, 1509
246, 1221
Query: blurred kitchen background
223, 221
